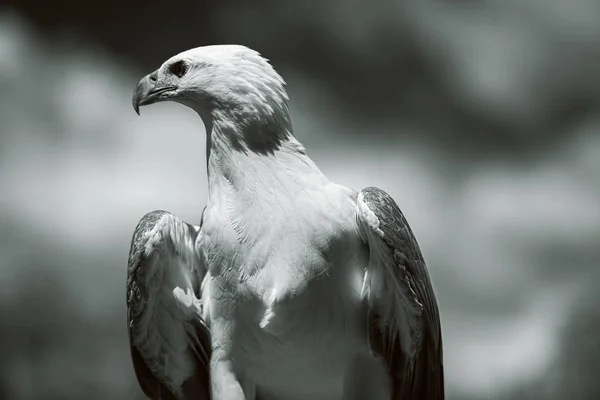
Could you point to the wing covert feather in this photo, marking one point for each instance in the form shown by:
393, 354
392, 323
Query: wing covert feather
162, 257
403, 312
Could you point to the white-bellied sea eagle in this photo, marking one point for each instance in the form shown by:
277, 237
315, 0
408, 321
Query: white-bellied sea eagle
292, 287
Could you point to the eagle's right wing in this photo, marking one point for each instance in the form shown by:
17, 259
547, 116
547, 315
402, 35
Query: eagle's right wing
170, 343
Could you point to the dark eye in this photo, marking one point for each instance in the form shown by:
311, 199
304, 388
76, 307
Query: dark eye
178, 68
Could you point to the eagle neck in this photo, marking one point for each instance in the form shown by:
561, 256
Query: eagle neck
243, 161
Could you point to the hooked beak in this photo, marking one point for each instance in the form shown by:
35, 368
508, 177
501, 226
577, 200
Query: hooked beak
148, 91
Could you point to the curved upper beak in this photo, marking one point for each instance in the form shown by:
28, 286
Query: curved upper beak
148, 91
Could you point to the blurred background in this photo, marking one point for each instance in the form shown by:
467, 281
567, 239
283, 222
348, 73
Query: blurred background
481, 118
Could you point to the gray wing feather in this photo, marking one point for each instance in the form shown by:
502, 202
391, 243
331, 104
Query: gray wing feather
157, 249
404, 318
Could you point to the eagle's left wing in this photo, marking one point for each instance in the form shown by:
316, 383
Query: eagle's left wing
404, 321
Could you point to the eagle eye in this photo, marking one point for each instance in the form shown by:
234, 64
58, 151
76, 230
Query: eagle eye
178, 68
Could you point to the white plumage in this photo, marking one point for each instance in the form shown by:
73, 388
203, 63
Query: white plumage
310, 290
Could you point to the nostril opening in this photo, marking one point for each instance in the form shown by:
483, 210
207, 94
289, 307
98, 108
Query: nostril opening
153, 77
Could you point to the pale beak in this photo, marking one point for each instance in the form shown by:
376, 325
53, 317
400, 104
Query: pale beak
149, 92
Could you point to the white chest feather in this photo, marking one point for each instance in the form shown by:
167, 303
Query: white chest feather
299, 345
298, 310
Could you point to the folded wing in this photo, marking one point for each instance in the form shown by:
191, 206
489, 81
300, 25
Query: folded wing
170, 343
404, 321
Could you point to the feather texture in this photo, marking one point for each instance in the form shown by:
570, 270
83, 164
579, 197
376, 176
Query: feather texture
404, 321
170, 343
285, 261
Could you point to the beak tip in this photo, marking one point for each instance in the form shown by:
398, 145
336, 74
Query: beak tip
136, 105
138, 95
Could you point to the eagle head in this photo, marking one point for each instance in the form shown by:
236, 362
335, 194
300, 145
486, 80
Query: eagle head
218, 77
